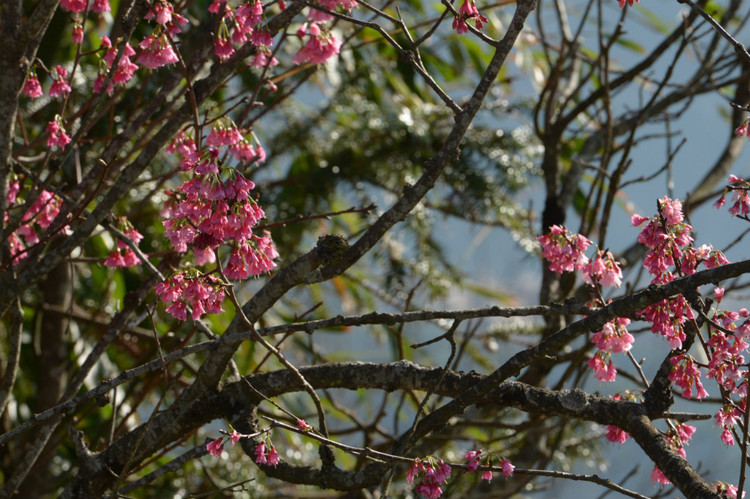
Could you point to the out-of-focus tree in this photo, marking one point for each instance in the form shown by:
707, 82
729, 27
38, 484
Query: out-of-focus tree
213, 212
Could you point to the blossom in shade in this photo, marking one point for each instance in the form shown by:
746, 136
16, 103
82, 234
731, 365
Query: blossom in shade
487, 475
31, 87
203, 293
215, 447
156, 51
57, 136
507, 467
273, 456
414, 470
234, 437
260, 453
77, 35
472, 457
74, 5
59, 85
101, 6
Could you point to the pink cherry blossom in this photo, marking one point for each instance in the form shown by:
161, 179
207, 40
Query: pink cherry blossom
74, 5
31, 87
156, 52
215, 447
77, 35
629, 2
602, 366
487, 475
60, 85
468, 11
234, 437
318, 48
507, 467
564, 251
616, 435
260, 453
273, 456
101, 6
685, 374
303, 426
57, 136
473, 459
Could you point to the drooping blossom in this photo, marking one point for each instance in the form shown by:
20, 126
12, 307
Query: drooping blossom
507, 468
156, 51
59, 85
203, 293
602, 365
273, 456
31, 87
602, 269
319, 48
629, 2
234, 437
472, 458
564, 251
77, 35
101, 6
686, 375
215, 447
57, 135
468, 11
74, 5
616, 435
260, 453
614, 337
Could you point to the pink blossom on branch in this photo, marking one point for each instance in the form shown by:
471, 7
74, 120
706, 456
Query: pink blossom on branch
468, 11
31, 87
629, 2
563, 250
57, 135
59, 85
319, 47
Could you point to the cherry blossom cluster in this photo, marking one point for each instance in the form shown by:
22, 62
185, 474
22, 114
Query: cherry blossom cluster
123, 255
613, 338
474, 456
468, 11
740, 198
677, 439
37, 218
215, 447
686, 374
728, 490
614, 433
433, 472
564, 251
203, 293
266, 456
